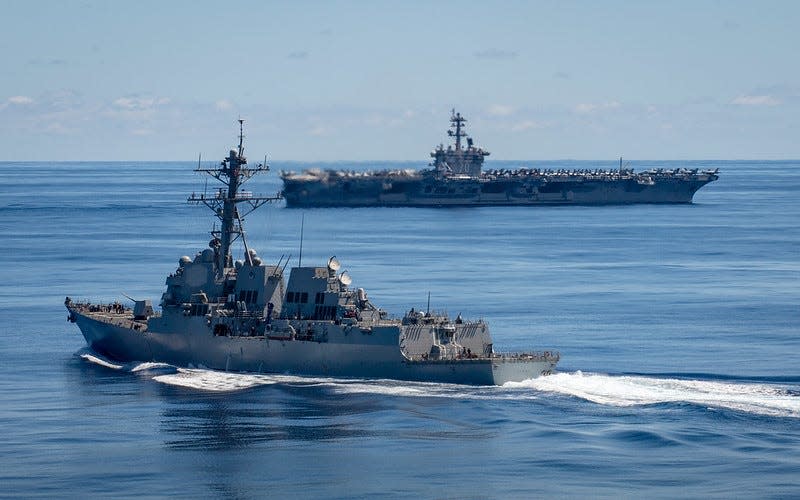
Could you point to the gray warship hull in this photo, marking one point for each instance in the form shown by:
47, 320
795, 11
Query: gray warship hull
119, 338
336, 189
457, 178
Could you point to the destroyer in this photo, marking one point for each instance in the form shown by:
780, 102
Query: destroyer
456, 178
241, 315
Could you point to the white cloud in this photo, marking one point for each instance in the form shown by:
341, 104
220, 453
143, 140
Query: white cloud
135, 103
500, 110
20, 100
223, 105
525, 125
378, 119
756, 100
586, 108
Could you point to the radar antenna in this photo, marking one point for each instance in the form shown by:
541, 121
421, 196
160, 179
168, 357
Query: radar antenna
232, 172
458, 123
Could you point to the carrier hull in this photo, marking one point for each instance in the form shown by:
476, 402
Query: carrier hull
376, 190
456, 178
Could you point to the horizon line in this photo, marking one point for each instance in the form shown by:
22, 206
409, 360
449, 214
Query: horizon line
413, 161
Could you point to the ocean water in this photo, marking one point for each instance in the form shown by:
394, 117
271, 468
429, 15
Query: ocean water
678, 327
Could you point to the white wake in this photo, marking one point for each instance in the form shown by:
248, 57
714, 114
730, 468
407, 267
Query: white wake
620, 390
611, 390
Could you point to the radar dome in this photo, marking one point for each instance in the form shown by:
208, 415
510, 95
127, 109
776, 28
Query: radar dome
184, 260
207, 255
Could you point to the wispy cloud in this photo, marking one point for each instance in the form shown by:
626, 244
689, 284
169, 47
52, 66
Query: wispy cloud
756, 100
587, 108
525, 125
500, 110
58, 128
386, 118
495, 54
298, 54
223, 105
561, 75
136, 103
19, 100
318, 130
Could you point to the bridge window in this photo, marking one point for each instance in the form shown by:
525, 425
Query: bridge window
298, 297
325, 312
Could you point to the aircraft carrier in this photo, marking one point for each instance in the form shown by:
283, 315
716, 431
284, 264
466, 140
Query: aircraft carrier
456, 177
242, 315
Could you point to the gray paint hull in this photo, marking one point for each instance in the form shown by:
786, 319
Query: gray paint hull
373, 192
264, 355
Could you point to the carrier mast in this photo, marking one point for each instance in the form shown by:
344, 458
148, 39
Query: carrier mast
458, 122
233, 172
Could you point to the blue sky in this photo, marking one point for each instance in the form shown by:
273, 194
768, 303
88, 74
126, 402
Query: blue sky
113, 80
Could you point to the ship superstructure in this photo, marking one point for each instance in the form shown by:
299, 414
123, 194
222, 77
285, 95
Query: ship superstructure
456, 177
456, 161
243, 315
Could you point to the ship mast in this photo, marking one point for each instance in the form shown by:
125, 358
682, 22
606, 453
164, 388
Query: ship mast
233, 172
458, 122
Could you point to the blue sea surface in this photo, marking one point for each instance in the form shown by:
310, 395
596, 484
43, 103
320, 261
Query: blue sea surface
678, 328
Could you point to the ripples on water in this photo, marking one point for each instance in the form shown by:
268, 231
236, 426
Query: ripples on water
677, 327
613, 390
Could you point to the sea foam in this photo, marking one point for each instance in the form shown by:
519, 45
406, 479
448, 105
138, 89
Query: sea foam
622, 390
610, 390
